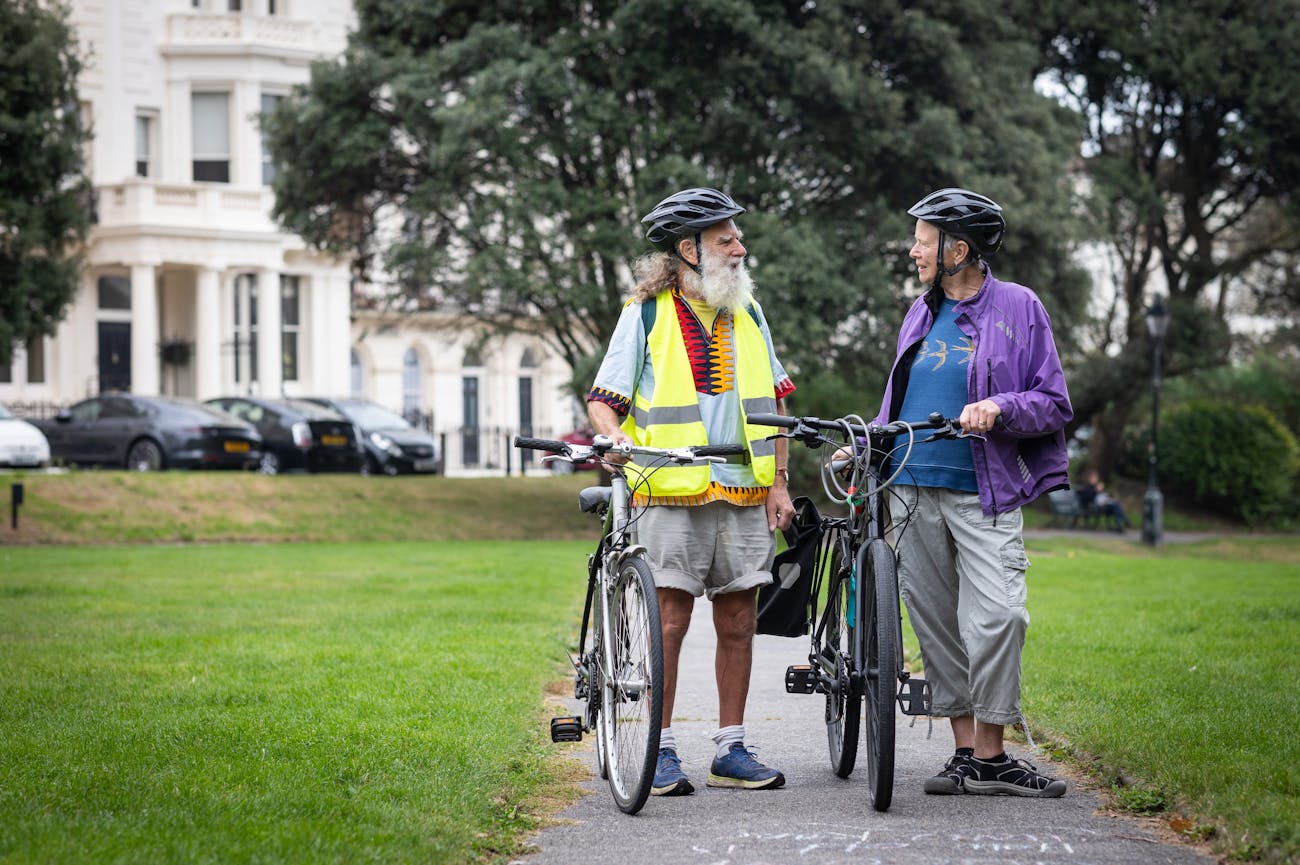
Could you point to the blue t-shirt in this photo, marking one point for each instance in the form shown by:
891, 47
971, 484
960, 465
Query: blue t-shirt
937, 382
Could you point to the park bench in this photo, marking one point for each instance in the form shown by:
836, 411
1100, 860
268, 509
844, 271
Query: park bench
1067, 513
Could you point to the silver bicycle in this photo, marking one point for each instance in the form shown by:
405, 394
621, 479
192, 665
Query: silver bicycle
619, 668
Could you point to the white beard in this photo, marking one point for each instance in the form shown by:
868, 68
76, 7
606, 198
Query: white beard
724, 287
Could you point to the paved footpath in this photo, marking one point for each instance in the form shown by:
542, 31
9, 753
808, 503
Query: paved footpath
819, 819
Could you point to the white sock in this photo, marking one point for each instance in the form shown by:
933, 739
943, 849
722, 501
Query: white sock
728, 736
667, 738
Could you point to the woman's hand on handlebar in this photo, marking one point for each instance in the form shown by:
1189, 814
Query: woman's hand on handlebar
979, 417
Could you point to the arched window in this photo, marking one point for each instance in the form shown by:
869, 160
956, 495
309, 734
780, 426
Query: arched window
357, 390
411, 386
529, 359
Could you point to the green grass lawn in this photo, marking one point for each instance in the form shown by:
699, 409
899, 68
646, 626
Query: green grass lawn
383, 701
1176, 670
278, 703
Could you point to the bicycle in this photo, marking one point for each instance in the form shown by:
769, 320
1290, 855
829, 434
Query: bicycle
618, 670
857, 644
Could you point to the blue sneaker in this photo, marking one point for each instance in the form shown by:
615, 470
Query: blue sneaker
670, 780
738, 768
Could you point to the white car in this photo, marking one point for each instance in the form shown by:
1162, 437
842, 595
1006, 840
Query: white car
21, 444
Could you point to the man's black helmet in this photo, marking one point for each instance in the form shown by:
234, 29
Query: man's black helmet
965, 215
687, 213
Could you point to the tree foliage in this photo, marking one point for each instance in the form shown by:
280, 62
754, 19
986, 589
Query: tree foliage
1192, 141
496, 157
43, 189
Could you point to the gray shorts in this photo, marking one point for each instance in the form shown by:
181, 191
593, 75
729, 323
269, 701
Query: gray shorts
708, 549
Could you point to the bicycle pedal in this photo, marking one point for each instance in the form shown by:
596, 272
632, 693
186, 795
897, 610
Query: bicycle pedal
800, 679
914, 697
567, 729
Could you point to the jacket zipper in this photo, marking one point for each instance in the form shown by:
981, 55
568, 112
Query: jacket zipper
988, 391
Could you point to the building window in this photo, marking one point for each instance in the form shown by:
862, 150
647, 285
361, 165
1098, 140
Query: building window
114, 292
469, 422
6, 373
272, 8
235, 5
36, 360
290, 318
356, 375
269, 101
411, 386
244, 339
211, 128
146, 126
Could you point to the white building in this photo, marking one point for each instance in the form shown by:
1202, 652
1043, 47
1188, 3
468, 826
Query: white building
190, 289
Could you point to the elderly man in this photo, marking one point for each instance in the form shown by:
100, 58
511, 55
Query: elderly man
690, 358
980, 349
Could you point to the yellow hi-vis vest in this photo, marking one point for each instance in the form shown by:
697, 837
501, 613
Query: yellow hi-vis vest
672, 418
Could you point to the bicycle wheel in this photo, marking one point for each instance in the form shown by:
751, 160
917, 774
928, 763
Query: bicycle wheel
632, 687
843, 700
880, 657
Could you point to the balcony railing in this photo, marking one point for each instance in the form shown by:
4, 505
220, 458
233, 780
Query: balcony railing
240, 29
142, 202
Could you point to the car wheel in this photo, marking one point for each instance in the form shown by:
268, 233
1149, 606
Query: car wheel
390, 469
145, 456
269, 464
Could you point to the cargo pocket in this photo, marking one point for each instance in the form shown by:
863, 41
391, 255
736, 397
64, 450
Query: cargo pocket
1014, 565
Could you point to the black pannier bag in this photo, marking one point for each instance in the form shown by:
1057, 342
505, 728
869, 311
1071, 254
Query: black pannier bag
784, 608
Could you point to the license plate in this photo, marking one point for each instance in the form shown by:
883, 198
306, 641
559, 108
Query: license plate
334, 441
236, 447
424, 465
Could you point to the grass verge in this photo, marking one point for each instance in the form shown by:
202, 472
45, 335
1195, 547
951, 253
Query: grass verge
1172, 675
285, 703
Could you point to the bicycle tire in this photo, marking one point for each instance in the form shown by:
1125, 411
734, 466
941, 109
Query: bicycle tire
843, 699
632, 689
880, 657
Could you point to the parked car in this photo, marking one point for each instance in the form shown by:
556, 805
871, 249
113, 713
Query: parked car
392, 445
21, 444
577, 437
149, 433
298, 435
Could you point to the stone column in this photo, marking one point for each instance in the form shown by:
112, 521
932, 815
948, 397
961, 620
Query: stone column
207, 334
145, 362
269, 369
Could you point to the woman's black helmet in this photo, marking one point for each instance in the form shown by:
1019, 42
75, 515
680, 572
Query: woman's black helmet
965, 215
687, 213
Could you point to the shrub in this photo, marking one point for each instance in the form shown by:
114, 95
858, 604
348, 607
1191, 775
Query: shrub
1236, 460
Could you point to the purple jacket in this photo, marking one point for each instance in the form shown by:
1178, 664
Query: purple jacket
1014, 364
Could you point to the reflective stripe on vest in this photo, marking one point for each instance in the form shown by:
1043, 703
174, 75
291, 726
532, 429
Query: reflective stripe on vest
672, 419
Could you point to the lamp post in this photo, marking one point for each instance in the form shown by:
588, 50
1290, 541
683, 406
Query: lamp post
1153, 503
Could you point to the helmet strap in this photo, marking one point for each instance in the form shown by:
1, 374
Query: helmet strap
944, 270
699, 255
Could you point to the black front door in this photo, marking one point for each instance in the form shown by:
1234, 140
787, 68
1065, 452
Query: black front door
114, 355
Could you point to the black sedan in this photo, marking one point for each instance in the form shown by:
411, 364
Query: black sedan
392, 445
148, 433
298, 435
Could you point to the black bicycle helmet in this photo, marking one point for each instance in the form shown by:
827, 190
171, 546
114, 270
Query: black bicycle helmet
687, 213
965, 215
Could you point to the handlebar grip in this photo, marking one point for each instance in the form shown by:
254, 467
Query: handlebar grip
717, 450
532, 444
763, 419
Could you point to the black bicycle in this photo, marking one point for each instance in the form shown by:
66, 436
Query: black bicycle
619, 668
857, 643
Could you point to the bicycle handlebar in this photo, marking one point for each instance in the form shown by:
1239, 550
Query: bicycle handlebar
806, 429
602, 445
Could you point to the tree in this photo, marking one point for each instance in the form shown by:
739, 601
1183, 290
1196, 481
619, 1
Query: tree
43, 189
497, 157
1193, 150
